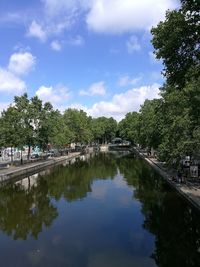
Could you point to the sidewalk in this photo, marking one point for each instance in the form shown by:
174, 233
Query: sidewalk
189, 190
14, 171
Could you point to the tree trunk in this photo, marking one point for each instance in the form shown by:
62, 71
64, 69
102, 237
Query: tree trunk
11, 155
29, 152
21, 157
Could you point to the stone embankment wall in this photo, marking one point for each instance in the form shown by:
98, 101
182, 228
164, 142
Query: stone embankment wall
25, 170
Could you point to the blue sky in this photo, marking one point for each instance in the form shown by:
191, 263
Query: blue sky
94, 54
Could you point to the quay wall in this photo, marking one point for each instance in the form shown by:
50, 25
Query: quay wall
32, 168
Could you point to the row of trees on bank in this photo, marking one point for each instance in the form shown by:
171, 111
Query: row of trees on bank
171, 124
30, 122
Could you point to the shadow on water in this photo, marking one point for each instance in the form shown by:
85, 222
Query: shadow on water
174, 222
168, 228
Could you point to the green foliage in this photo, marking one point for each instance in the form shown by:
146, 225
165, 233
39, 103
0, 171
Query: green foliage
129, 127
177, 42
151, 123
60, 134
79, 124
11, 128
170, 124
29, 122
103, 129
29, 111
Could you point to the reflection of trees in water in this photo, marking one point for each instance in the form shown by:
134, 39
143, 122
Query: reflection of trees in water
24, 213
24, 210
177, 229
174, 223
74, 182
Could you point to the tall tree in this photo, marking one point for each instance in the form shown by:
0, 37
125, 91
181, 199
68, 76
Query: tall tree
150, 123
129, 127
79, 124
103, 129
11, 129
24, 107
177, 42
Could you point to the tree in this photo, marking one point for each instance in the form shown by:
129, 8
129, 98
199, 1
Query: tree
103, 129
46, 122
98, 130
129, 127
79, 125
60, 134
150, 123
29, 118
177, 41
11, 129
111, 129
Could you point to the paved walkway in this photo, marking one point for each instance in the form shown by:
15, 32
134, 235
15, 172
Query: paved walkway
189, 190
13, 171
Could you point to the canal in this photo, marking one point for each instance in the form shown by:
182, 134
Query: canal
111, 210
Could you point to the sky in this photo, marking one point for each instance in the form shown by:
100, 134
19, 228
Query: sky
94, 55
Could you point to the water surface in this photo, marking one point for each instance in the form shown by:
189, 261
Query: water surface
111, 210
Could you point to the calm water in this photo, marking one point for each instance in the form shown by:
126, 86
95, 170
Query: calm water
109, 211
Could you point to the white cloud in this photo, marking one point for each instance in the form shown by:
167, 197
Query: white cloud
118, 16
4, 105
36, 30
56, 95
57, 17
10, 83
120, 104
49, 27
123, 103
127, 80
132, 44
56, 45
104, 16
78, 106
58, 26
95, 89
21, 63
76, 41
55, 8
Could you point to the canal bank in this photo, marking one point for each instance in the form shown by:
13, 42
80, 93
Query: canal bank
190, 191
31, 168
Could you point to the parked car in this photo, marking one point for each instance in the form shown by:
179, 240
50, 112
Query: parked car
78, 148
53, 153
35, 155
